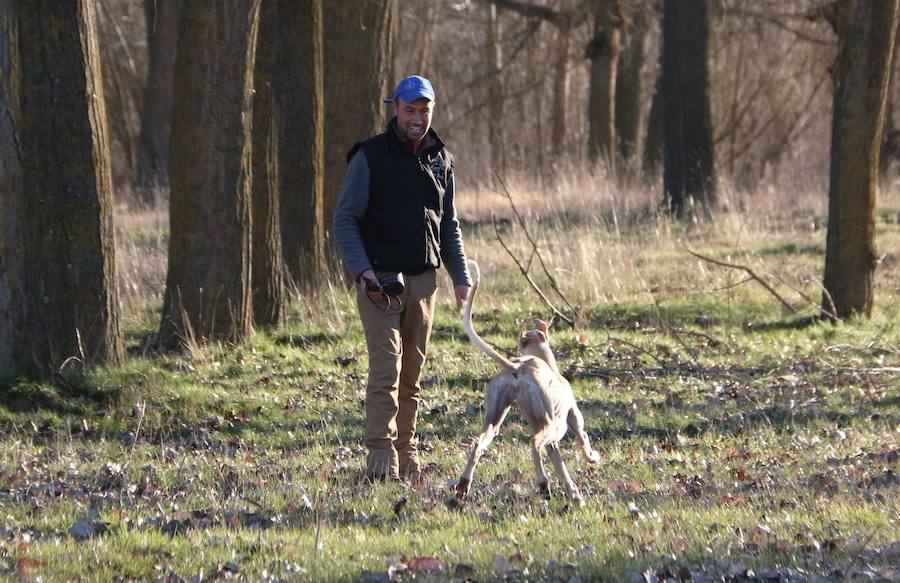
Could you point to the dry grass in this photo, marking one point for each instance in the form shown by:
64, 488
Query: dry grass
603, 244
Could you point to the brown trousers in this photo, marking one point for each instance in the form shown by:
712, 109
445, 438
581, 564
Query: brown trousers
396, 338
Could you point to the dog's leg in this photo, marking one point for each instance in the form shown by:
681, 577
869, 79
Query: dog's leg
497, 406
543, 483
576, 424
561, 471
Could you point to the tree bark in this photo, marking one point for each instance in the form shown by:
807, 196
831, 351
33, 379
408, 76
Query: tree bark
888, 149
10, 194
653, 142
689, 171
423, 37
267, 288
629, 87
358, 49
208, 281
560, 88
71, 306
156, 110
862, 78
299, 86
603, 52
493, 59
540, 165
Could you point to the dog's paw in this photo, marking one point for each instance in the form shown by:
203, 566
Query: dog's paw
462, 488
544, 490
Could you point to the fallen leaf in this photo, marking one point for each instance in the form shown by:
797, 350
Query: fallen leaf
426, 564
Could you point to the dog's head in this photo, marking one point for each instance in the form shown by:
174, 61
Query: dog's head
537, 343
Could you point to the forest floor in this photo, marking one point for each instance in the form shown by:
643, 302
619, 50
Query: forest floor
741, 440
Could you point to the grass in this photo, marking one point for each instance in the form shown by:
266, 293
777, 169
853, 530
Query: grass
740, 442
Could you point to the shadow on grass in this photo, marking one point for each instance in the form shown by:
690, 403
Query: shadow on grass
619, 422
709, 315
792, 249
142, 344
305, 340
69, 392
796, 323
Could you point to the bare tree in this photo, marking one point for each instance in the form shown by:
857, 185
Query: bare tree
862, 76
495, 89
424, 32
603, 53
156, 111
653, 142
267, 287
559, 106
10, 194
629, 81
299, 85
689, 169
358, 49
68, 280
208, 281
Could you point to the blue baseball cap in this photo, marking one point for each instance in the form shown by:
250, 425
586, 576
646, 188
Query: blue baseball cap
412, 88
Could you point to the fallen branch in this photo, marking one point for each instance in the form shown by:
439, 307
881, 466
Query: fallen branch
636, 347
711, 339
751, 274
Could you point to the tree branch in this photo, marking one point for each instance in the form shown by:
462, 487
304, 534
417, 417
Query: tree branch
534, 246
527, 276
529, 10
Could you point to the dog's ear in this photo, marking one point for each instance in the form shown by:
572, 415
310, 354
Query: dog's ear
542, 336
542, 327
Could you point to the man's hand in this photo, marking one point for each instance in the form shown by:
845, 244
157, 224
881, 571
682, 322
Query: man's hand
368, 283
461, 292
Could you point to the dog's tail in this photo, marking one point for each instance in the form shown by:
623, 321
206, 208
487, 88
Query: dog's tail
470, 331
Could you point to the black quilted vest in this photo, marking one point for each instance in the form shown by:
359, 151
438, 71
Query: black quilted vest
401, 229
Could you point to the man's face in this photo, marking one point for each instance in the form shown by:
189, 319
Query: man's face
413, 118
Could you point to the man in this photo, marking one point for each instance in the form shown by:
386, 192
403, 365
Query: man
396, 215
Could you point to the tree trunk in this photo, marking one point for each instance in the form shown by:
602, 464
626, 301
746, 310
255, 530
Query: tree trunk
689, 173
862, 75
301, 105
358, 48
10, 195
629, 89
71, 306
267, 287
888, 149
159, 91
208, 282
560, 104
423, 37
603, 52
653, 143
495, 90
539, 143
